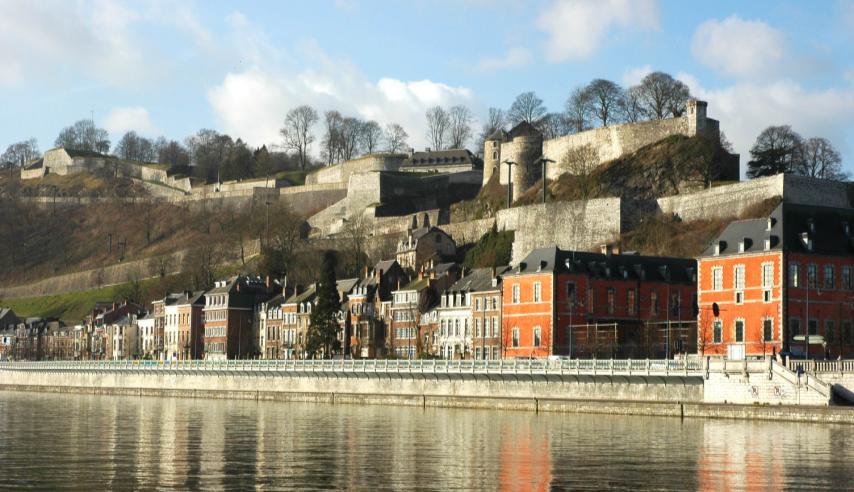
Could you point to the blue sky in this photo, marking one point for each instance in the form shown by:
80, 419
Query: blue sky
171, 68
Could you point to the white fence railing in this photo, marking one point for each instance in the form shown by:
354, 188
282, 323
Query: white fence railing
822, 366
544, 367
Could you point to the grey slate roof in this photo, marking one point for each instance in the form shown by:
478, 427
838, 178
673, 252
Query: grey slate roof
824, 227
440, 158
523, 129
478, 280
650, 268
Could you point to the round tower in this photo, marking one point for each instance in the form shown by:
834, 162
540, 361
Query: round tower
492, 155
527, 147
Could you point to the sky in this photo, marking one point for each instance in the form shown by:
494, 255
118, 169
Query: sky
172, 68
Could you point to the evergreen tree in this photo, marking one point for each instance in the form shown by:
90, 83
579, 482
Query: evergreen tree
323, 329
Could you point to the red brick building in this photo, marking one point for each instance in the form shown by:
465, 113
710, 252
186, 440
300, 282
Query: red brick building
367, 337
581, 304
762, 279
228, 317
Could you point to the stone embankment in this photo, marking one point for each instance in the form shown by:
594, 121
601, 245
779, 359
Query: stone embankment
656, 388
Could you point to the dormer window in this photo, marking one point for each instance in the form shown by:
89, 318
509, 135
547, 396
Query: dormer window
770, 224
806, 241
811, 225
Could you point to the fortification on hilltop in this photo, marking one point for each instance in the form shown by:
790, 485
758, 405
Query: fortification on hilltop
524, 146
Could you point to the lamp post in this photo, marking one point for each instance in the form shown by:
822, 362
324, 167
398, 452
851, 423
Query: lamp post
543, 162
509, 181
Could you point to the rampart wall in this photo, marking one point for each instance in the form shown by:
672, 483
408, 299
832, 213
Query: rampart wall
340, 173
577, 225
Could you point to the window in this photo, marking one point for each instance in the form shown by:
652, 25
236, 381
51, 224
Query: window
829, 331
738, 277
515, 293
846, 278
739, 331
591, 297
717, 278
847, 332
515, 340
794, 327
813, 326
477, 304
631, 301
537, 292
829, 281
494, 327
767, 275
717, 331
675, 303
653, 303
812, 272
611, 301
537, 334
570, 293
767, 330
477, 327
739, 297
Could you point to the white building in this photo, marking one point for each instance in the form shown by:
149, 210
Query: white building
147, 335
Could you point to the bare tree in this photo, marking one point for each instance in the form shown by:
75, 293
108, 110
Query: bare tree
171, 152
778, 149
632, 108
461, 118
395, 138
438, 125
297, 131
84, 135
581, 162
821, 160
553, 125
662, 96
333, 121
20, 153
579, 108
606, 101
350, 137
527, 107
355, 235
370, 136
135, 148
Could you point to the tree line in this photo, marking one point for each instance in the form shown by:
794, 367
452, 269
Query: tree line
779, 149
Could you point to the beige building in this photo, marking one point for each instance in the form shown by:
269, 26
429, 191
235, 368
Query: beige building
425, 245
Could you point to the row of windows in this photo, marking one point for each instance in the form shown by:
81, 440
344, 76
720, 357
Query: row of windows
275, 333
487, 332
536, 295
488, 352
846, 334
514, 338
828, 276
407, 351
174, 319
219, 315
404, 333
215, 331
215, 348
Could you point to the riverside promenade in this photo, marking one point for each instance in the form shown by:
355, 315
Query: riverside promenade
699, 387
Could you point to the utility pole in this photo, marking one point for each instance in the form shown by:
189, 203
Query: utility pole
509, 181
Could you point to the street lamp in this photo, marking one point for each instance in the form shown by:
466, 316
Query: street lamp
543, 161
509, 181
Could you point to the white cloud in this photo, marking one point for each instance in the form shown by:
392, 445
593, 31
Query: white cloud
253, 103
125, 119
633, 76
514, 58
745, 109
578, 28
52, 41
740, 48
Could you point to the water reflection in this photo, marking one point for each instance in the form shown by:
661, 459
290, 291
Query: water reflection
77, 441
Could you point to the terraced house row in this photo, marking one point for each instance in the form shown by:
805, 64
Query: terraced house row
782, 284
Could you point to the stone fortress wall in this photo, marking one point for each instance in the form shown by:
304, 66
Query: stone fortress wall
609, 142
340, 173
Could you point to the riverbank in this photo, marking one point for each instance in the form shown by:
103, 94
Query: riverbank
782, 413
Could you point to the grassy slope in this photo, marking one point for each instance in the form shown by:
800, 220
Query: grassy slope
71, 307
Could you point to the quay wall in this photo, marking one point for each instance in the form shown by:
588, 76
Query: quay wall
675, 397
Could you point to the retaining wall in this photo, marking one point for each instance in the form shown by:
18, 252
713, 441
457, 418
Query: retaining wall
579, 225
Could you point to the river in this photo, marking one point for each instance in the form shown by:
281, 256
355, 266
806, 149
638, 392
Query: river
53, 441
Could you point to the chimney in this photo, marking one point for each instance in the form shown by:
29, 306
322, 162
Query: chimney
365, 275
615, 249
494, 271
267, 282
603, 248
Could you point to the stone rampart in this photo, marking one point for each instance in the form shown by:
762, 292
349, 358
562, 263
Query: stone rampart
340, 173
580, 225
468, 232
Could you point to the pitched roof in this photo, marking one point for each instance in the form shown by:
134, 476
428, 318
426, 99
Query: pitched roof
478, 280
303, 296
498, 134
823, 226
345, 286
82, 153
651, 268
524, 129
440, 158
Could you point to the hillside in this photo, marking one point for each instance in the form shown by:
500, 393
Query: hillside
73, 185
671, 166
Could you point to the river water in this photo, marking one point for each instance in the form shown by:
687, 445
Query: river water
51, 441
